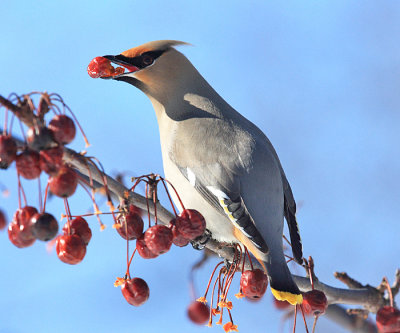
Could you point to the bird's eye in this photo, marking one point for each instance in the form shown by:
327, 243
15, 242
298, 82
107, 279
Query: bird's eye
147, 60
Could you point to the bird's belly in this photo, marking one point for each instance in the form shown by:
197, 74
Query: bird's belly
219, 225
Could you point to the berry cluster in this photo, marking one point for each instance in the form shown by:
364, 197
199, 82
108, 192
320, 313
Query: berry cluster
41, 150
157, 239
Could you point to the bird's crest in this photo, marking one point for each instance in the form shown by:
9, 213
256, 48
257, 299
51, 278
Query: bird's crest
158, 45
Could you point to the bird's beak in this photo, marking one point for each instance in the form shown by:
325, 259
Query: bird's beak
118, 60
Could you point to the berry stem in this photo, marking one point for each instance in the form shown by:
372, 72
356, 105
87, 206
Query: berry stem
45, 197
211, 277
304, 317
11, 123
68, 215
314, 324
231, 273
147, 202
154, 190
212, 300
20, 188
295, 318
169, 197
248, 255
173, 187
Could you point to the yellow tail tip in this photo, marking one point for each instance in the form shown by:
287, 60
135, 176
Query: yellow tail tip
287, 296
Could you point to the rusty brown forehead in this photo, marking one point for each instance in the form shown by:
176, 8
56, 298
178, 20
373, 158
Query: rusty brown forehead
135, 51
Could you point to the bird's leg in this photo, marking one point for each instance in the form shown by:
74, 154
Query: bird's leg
200, 242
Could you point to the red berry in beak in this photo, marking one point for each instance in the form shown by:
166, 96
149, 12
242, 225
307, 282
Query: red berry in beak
131, 224
198, 312
177, 239
28, 164
388, 320
158, 239
70, 249
8, 151
253, 284
190, 224
314, 302
101, 67
44, 226
3, 222
64, 183
79, 227
136, 291
20, 229
143, 250
51, 160
63, 128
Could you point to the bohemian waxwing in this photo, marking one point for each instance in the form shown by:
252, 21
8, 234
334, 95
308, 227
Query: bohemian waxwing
220, 163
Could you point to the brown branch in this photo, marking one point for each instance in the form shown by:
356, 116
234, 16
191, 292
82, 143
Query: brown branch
347, 280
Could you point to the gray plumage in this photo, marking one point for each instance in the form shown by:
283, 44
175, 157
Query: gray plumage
220, 163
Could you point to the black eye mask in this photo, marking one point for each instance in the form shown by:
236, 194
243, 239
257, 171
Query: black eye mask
142, 61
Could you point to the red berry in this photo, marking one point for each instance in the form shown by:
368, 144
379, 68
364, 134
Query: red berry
388, 319
51, 160
136, 291
64, 183
198, 312
3, 222
158, 239
80, 227
63, 128
20, 229
40, 138
44, 226
253, 284
70, 249
177, 239
143, 250
28, 164
8, 151
190, 223
99, 67
314, 302
14, 234
131, 223
281, 305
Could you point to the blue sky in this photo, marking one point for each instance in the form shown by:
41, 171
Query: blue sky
320, 78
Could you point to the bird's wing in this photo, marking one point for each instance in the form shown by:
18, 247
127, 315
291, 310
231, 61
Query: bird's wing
225, 197
218, 155
214, 154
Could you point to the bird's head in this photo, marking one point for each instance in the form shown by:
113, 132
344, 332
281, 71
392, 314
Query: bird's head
154, 67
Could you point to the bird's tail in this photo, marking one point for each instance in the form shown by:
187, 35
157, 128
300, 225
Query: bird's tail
297, 247
282, 285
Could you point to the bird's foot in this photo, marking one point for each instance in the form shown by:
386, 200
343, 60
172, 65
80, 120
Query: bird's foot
200, 242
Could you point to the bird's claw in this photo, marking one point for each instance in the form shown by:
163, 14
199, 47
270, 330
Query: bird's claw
200, 242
